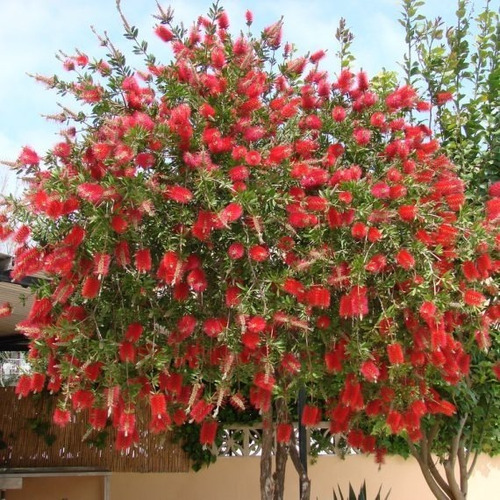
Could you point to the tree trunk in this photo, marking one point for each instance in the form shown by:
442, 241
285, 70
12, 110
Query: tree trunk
444, 487
280, 470
305, 482
266, 458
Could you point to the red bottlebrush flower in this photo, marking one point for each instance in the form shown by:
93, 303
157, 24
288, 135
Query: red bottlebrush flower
395, 353
133, 332
233, 296
37, 382
62, 150
323, 322
98, 418
256, 324
376, 264
344, 81
494, 190
101, 263
122, 253
346, 197
180, 292
473, 298
283, 432
91, 287
443, 98
290, 364
75, 236
236, 251
5, 310
158, 404
145, 160
143, 260
370, 371
200, 410
362, 136
407, 212
250, 339
127, 352
428, 311
239, 173
258, 253
164, 33
278, 154
405, 259
22, 234
203, 226
447, 408
359, 230
339, 113
484, 265
381, 190
253, 158
28, 157
333, 360
317, 296
295, 288
126, 423
23, 386
311, 416
208, 432
374, 234
82, 399
186, 325
197, 280
230, 213
93, 370
61, 417
265, 381
355, 303
395, 421
316, 203
170, 268
177, 193
355, 438
119, 224
214, 326
493, 209
377, 119
93, 193
496, 369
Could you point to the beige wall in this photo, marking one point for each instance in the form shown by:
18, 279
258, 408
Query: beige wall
59, 488
237, 479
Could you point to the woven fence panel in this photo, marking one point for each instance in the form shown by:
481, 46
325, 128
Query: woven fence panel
29, 439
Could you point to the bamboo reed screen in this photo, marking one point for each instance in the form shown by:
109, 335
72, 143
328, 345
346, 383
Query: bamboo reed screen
25, 428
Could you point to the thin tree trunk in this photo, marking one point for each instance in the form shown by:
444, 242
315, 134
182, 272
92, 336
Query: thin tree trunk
281, 454
266, 458
280, 470
305, 493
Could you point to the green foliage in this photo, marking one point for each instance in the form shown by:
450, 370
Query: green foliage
41, 427
461, 59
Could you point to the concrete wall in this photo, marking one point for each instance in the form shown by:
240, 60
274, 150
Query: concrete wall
238, 479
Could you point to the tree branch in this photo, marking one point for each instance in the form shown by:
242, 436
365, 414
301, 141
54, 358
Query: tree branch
436, 489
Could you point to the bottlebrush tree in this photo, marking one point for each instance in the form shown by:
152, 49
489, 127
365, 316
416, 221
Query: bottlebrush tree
234, 226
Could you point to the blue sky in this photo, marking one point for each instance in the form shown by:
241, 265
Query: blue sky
33, 31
